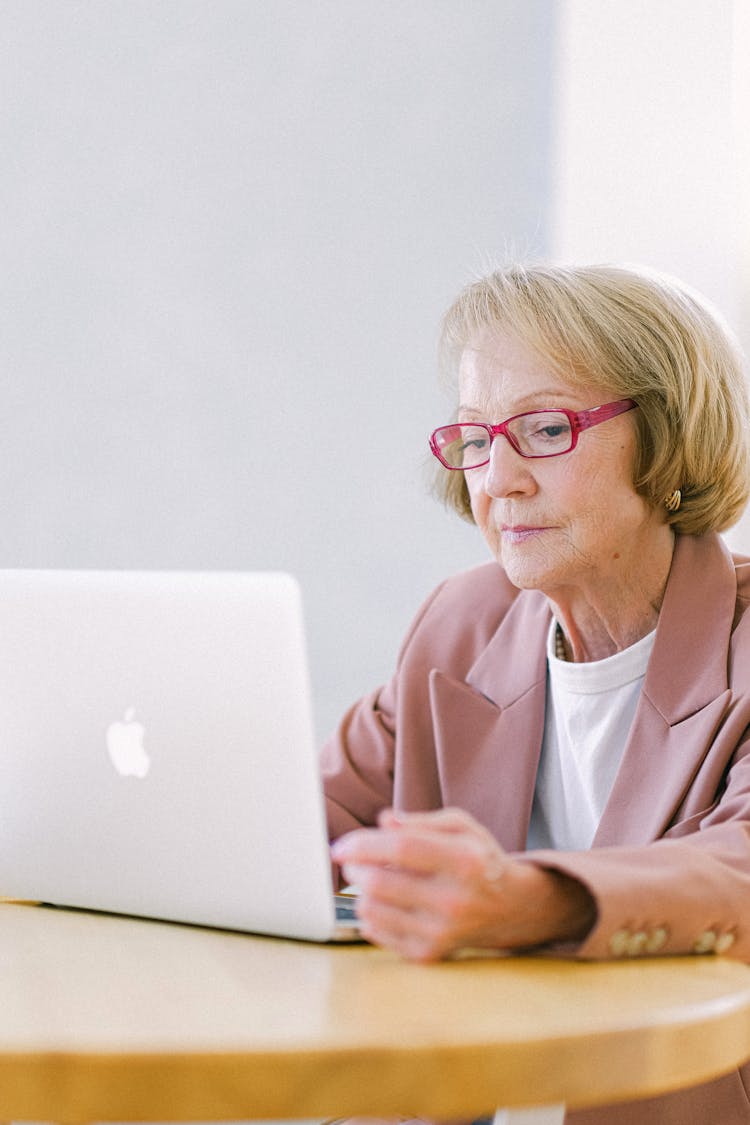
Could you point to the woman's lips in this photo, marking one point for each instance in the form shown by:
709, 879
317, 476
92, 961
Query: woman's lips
520, 533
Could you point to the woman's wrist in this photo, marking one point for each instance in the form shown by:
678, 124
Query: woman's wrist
561, 908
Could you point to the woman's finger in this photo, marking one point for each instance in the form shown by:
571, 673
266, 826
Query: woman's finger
421, 851
443, 820
414, 935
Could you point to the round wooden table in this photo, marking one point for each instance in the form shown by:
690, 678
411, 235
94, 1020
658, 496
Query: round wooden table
105, 1018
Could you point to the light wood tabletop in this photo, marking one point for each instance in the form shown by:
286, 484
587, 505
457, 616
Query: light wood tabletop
105, 1018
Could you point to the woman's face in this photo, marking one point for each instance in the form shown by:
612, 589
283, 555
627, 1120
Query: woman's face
572, 521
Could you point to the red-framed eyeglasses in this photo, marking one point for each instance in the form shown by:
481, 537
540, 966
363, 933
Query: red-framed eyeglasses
536, 433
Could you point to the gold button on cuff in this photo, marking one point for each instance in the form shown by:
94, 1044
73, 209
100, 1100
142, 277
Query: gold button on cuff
637, 943
724, 942
618, 943
705, 943
657, 939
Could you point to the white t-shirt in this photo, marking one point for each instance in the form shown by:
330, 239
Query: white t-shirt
590, 709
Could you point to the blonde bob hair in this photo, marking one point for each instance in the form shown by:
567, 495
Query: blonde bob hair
637, 335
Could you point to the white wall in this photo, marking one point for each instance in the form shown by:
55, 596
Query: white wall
228, 230
741, 128
652, 145
644, 150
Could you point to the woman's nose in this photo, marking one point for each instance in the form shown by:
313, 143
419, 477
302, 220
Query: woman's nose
508, 472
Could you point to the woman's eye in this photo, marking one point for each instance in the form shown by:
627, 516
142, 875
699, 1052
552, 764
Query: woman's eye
477, 443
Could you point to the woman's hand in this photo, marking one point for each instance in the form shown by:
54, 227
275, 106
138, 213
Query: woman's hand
431, 884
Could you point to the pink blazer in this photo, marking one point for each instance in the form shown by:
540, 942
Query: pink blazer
461, 723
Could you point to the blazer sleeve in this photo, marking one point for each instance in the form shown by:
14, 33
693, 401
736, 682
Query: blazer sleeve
358, 761
687, 892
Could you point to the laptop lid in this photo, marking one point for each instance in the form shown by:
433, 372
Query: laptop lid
158, 753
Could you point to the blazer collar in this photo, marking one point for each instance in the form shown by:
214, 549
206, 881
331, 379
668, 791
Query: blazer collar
685, 695
516, 657
688, 665
489, 728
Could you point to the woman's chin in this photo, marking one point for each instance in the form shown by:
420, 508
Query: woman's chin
526, 571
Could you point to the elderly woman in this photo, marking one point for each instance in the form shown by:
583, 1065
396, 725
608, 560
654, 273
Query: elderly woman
561, 760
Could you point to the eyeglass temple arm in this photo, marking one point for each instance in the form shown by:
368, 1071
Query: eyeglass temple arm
585, 419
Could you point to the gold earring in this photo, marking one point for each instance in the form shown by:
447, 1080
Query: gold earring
672, 503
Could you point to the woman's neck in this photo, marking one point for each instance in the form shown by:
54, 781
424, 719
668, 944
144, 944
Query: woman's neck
597, 622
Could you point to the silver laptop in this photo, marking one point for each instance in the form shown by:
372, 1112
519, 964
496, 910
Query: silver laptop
158, 755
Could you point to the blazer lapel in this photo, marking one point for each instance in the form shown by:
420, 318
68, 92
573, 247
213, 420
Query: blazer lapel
685, 695
489, 728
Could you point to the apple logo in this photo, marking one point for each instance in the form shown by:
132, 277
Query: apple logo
125, 746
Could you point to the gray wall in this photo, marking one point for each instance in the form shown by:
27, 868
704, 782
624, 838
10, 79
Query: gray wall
227, 233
